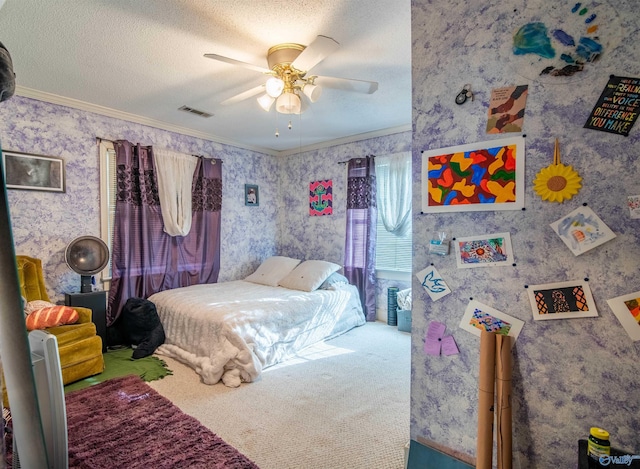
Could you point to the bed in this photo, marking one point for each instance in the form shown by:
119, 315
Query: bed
231, 331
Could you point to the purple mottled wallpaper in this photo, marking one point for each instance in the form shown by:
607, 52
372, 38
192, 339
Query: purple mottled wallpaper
306, 237
568, 374
44, 223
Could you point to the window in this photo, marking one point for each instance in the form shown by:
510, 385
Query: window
108, 186
394, 248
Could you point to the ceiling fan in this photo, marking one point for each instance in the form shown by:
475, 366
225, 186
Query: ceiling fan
288, 81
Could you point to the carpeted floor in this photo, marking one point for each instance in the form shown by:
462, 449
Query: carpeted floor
340, 404
123, 423
119, 363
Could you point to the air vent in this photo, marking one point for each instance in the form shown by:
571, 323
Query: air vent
194, 111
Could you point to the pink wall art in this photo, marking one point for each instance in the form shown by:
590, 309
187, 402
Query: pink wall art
321, 198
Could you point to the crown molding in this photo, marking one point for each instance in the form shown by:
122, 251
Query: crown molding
109, 112
350, 139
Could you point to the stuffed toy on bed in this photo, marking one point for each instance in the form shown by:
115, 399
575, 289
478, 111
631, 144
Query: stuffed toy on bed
7, 76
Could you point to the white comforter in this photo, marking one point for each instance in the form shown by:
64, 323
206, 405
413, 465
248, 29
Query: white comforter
233, 330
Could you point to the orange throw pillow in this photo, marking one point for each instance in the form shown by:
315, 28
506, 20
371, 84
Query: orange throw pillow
51, 317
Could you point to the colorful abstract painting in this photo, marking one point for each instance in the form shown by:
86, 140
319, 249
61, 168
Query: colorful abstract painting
582, 230
479, 317
492, 250
627, 310
321, 198
474, 177
562, 300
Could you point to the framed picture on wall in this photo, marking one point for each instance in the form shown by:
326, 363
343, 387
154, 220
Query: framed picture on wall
321, 198
480, 176
582, 230
251, 195
491, 250
479, 317
33, 172
627, 310
562, 300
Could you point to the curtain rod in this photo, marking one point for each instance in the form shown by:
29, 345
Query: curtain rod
345, 162
105, 140
114, 142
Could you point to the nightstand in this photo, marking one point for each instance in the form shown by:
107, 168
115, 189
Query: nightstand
97, 302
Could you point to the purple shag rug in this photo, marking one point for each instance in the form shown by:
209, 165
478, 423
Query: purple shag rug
123, 422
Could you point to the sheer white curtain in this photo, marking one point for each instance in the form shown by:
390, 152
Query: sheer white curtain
174, 172
393, 174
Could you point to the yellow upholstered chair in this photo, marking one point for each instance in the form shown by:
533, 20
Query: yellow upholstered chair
79, 346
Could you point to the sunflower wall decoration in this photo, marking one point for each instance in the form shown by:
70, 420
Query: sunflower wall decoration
557, 182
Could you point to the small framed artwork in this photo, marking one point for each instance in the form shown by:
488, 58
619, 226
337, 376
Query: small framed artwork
562, 300
582, 230
492, 250
433, 283
627, 310
479, 317
251, 195
633, 202
33, 172
321, 198
474, 177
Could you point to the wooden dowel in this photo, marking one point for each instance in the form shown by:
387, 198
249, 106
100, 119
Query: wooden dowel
486, 382
503, 401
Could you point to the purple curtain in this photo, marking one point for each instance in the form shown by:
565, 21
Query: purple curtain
360, 244
145, 259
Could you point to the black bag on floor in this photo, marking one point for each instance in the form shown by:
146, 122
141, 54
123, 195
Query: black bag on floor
141, 326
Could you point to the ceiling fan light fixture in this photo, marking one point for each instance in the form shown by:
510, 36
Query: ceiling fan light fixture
265, 101
312, 91
274, 86
288, 103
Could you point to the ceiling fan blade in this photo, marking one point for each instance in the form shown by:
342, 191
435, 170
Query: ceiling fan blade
347, 84
231, 61
244, 95
314, 53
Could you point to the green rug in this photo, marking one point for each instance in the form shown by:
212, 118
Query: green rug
119, 363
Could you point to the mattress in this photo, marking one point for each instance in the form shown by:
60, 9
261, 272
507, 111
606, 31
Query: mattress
231, 331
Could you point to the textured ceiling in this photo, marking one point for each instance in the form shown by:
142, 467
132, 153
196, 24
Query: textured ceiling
145, 58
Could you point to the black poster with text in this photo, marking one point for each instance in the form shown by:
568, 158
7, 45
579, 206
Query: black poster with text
617, 109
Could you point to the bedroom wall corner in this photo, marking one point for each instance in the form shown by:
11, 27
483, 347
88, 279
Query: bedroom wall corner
322, 237
44, 223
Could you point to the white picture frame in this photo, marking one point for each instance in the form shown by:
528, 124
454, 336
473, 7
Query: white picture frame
479, 316
582, 230
561, 300
490, 250
623, 307
466, 178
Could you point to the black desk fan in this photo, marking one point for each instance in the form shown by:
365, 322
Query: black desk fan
86, 255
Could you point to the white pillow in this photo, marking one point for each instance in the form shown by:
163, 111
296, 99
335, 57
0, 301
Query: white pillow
272, 270
309, 275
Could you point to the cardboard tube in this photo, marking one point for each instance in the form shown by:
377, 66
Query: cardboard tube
503, 401
486, 382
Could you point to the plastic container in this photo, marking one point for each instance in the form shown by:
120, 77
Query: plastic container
404, 320
598, 443
392, 306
